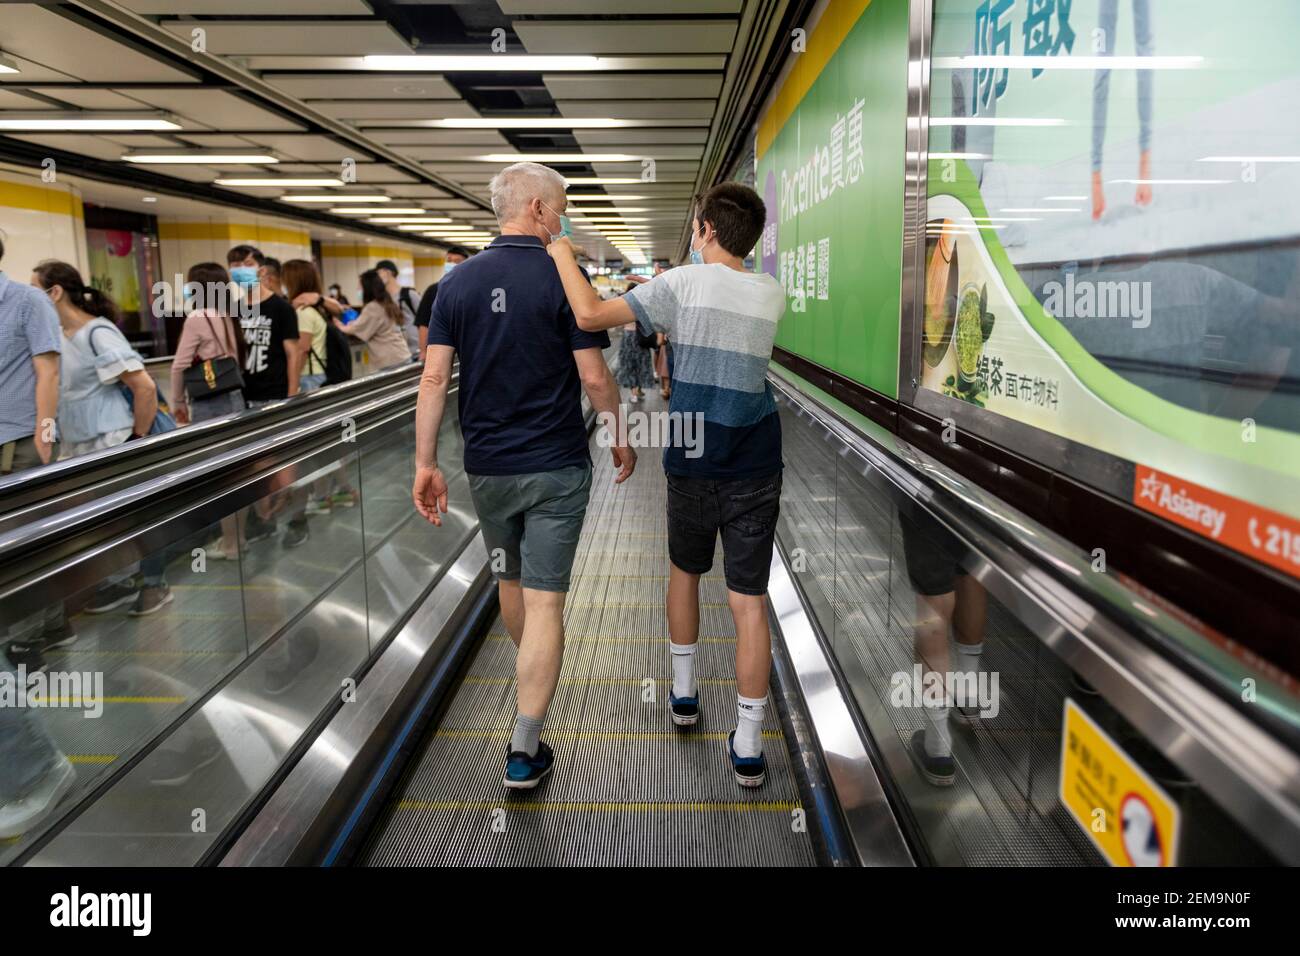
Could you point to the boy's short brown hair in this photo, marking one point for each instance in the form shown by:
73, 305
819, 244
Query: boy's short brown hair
737, 214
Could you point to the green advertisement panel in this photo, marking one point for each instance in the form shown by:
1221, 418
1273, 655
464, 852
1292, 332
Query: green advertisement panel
1113, 221
832, 179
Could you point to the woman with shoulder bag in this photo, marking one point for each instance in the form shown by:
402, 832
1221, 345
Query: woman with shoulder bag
209, 357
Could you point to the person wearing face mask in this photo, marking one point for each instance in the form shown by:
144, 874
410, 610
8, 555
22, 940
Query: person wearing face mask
722, 319
269, 325
453, 257
523, 364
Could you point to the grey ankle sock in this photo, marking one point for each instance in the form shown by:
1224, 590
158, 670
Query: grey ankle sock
525, 736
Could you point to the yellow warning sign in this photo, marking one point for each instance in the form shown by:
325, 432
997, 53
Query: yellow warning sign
1122, 810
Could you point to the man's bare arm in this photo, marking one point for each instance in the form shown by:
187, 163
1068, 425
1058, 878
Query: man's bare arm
601, 388
430, 490
593, 315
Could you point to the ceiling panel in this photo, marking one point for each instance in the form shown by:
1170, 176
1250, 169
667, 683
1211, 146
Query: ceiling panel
88, 99
216, 109
632, 86
216, 140
364, 86
94, 146
38, 34
239, 8
638, 109
364, 113
30, 72
281, 38
382, 173
626, 36
486, 138
13, 100
305, 148
622, 137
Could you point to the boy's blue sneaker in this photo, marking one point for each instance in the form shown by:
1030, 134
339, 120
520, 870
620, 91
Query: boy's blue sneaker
524, 772
750, 771
684, 710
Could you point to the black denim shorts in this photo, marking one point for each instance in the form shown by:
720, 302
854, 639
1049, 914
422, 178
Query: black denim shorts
745, 511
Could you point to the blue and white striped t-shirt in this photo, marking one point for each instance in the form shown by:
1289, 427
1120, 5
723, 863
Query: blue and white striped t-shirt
721, 323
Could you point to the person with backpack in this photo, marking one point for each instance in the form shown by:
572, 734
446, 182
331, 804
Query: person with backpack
208, 342
379, 325
98, 368
301, 280
407, 304
722, 319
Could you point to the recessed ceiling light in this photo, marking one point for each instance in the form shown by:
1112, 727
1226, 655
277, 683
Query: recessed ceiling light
148, 198
7, 65
190, 157
393, 221
557, 158
528, 122
86, 121
390, 211
491, 63
273, 181
341, 197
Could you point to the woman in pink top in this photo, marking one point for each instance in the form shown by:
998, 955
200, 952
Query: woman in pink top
208, 333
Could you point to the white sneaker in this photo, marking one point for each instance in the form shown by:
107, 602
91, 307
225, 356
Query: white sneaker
27, 812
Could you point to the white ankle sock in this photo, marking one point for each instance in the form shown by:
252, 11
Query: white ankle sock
938, 735
683, 669
750, 712
969, 656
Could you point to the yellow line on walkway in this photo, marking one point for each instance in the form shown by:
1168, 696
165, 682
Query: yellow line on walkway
539, 806
613, 681
92, 758
472, 734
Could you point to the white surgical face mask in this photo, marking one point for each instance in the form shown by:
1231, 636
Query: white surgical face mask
447, 267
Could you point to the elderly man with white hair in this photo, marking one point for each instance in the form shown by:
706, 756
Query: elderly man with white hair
523, 361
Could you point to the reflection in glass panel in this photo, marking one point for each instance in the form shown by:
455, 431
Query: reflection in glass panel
807, 522
1110, 247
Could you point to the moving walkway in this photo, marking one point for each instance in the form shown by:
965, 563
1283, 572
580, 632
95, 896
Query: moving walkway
349, 702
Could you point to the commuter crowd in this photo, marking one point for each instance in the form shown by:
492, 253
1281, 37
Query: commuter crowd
257, 331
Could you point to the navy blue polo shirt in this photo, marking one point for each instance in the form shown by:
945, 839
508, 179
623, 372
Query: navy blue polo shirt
505, 314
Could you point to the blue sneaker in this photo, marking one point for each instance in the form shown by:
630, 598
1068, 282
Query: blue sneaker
750, 771
938, 771
524, 772
684, 710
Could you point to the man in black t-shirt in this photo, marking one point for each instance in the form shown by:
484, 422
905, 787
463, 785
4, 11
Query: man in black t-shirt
270, 327
454, 257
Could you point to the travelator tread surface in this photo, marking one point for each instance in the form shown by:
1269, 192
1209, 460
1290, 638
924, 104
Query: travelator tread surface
628, 788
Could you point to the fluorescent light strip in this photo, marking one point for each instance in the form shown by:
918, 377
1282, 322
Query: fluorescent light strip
286, 183
556, 158
995, 121
603, 181
1249, 159
491, 63
527, 122
423, 220
80, 122
1013, 62
959, 156
380, 211
1169, 182
201, 159
336, 199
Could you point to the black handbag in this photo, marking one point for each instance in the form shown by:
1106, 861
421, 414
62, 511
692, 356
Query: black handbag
208, 378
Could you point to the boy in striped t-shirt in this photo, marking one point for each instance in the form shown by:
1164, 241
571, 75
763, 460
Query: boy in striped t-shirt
721, 320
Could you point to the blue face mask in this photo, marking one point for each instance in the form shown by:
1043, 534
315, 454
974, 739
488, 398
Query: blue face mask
245, 276
566, 228
697, 255
448, 266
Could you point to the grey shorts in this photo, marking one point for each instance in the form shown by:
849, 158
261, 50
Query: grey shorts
531, 523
